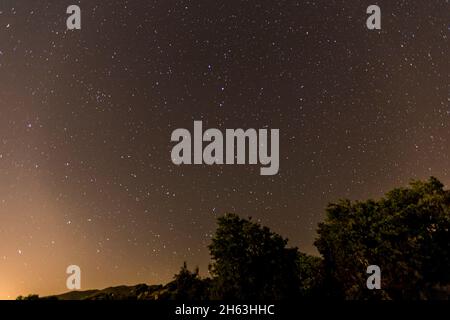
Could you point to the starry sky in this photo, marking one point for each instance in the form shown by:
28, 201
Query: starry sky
86, 118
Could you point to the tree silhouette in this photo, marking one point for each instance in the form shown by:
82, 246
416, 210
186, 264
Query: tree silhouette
251, 262
406, 234
187, 286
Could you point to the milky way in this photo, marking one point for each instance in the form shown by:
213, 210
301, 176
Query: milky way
86, 117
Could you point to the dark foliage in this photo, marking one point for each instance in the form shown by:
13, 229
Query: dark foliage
251, 262
406, 234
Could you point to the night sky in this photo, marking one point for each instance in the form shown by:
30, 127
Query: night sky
86, 118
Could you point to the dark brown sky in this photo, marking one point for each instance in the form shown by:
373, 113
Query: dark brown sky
86, 117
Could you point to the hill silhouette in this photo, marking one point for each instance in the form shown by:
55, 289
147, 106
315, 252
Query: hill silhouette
111, 293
